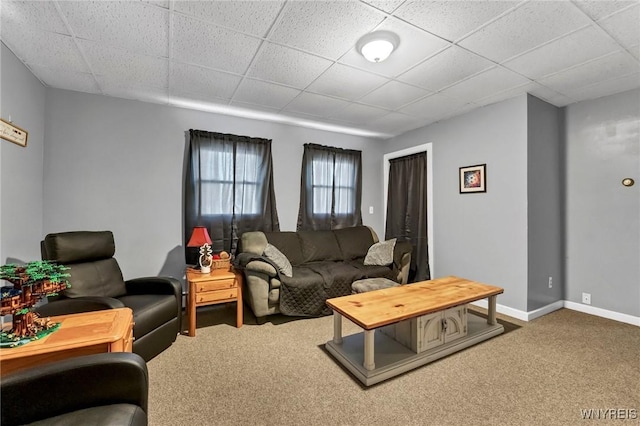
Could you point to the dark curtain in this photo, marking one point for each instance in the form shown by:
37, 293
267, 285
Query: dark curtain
228, 188
407, 210
330, 188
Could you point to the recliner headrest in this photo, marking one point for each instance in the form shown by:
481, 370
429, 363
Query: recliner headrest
78, 246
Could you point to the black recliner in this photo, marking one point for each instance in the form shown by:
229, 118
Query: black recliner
103, 389
97, 283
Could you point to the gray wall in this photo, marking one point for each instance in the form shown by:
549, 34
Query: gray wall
482, 236
118, 164
602, 216
22, 97
545, 210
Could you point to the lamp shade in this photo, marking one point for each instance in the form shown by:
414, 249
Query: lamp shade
199, 237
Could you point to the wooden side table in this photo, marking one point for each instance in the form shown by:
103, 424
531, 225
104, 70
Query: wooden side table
109, 330
218, 286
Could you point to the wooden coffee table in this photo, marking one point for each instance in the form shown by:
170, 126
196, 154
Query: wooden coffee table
429, 307
110, 330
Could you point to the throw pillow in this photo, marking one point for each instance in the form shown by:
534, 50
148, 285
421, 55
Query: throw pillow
380, 253
284, 266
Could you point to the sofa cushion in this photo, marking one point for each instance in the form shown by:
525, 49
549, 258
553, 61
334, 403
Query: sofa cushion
288, 243
97, 278
354, 241
373, 271
319, 246
280, 260
380, 253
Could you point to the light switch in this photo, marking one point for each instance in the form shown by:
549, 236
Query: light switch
370, 209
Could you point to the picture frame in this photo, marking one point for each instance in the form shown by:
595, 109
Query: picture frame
13, 133
473, 179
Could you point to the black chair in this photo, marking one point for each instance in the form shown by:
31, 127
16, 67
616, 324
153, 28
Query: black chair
97, 283
103, 389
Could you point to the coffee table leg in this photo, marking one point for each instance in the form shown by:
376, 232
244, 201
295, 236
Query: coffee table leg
369, 363
337, 328
491, 316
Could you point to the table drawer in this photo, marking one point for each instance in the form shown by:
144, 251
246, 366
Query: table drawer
212, 296
215, 285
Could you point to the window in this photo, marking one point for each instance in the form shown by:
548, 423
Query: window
228, 188
217, 180
331, 188
329, 176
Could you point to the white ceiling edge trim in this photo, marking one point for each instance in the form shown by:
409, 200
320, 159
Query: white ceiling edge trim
272, 117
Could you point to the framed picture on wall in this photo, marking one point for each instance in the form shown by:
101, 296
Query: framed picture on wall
473, 179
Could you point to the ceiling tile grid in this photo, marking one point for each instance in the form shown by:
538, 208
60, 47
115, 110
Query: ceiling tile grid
298, 58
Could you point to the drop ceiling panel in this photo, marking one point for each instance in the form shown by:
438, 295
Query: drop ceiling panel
49, 50
200, 53
38, 16
134, 26
360, 114
624, 26
415, 45
484, 84
395, 122
452, 19
122, 66
287, 66
446, 68
253, 17
607, 87
266, 94
205, 44
140, 93
194, 79
434, 105
525, 28
385, 5
394, 95
318, 105
346, 82
70, 80
574, 49
611, 66
597, 9
325, 28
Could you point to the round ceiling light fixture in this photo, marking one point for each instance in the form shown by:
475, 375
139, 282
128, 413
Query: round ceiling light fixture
378, 45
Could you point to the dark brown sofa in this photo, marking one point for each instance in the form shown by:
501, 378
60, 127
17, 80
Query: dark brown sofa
324, 263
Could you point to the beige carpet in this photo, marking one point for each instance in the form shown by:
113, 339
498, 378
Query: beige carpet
543, 373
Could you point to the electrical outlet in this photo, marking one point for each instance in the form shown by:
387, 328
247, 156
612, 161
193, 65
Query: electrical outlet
550, 282
586, 298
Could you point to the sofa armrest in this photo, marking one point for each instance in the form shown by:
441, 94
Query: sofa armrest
73, 384
262, 266
78, 305
158, 285
253, 262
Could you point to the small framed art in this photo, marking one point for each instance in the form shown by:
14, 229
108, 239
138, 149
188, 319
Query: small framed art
473, 179
13, 133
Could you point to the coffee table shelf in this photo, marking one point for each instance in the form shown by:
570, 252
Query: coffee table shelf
393, 358
373, 356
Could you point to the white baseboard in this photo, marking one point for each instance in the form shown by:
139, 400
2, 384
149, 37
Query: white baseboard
587, 309
505, 310
604, 313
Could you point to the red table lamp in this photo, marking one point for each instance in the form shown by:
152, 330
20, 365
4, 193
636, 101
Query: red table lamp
200, 238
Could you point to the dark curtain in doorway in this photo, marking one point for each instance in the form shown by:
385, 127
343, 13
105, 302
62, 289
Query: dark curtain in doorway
228, 188
407, 210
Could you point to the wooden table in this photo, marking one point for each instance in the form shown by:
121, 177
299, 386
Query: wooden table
379, 308
217, 286
110, 330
